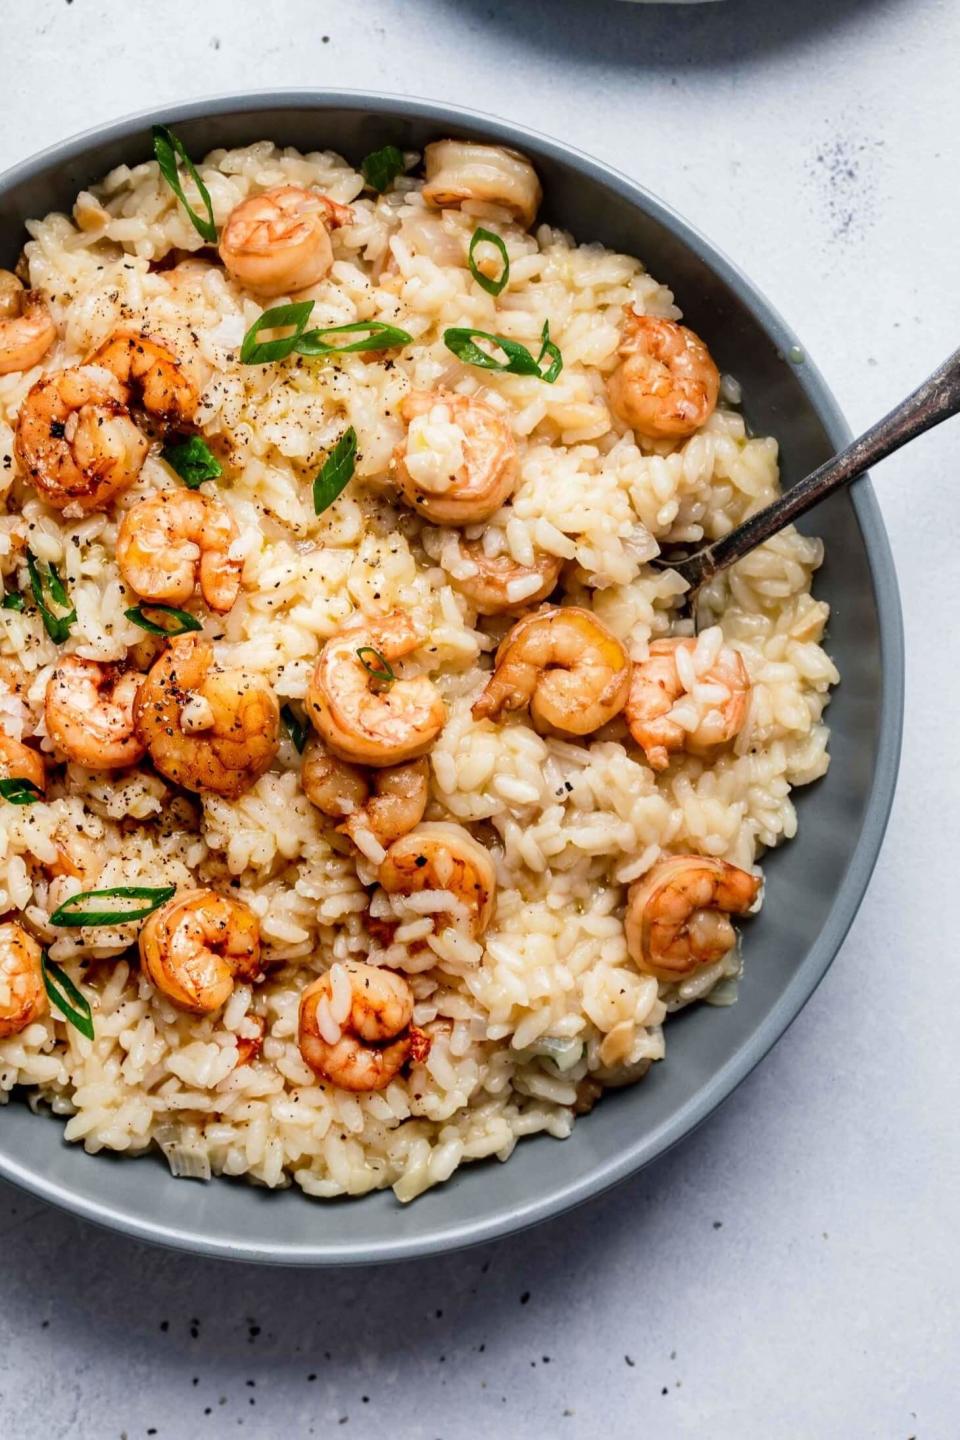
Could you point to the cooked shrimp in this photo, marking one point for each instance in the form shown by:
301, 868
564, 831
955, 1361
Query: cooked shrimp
167, 386
677, 916
364, 719
458, 463
342, 791
336, 787
355, 1026
89, 709
175, 539
26, 326
441, 856
206, 728
500, 584
197, 946
278, 242
666, 384
399, 798
23, 995
660, 681
19, 762
76, 441
459, 170
562, 662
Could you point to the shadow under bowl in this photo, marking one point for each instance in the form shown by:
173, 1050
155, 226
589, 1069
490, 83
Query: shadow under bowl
814, 885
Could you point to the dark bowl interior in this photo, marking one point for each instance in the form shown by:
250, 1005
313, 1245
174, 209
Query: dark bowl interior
814, 884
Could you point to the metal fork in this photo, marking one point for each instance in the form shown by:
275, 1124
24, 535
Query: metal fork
935, 400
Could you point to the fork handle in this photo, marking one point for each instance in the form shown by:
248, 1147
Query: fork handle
935, 400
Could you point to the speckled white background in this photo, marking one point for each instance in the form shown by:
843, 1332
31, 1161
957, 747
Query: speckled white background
791, 1271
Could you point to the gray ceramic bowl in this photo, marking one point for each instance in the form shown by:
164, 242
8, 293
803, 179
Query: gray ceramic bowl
814, 884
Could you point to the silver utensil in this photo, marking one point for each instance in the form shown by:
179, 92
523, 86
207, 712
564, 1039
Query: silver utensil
935, 400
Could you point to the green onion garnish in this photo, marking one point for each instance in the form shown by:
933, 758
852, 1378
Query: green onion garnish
375, 335
382, 670
381, 167
182, 620
519, 361
19, 790
68, 916
193, 461
336, 471
11, 599
487, 237
168, 148
261, 352
58, 985
298, 730
378, 336
56, 626
547, 347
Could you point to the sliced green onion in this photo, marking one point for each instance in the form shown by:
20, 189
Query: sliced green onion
375, 335
381, 167
336, 471
261, 352
382, 670
168, 148
298, 730
193, 461
61, 991
19, 790
486, 282
68, 916
519, 361
183, 620
11, 601
547, 347
56, 626
378, 337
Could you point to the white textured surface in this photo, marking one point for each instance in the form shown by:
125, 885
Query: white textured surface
792, 1270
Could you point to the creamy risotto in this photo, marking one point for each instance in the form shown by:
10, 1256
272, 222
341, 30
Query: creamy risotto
333, 663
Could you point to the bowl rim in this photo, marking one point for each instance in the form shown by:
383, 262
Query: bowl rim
818, 958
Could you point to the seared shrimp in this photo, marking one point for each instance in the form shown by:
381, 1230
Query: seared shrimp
26, 326
197, 946
677, 917
23, 996
167, 386
88, 709
19, 762
279, 242
206, 728
720, 694
172, 540
76, 441
500, 584
564, 664
362, 718
458, 463
441, 856
666, 384
459, 170
355, 1028
336, 787
342, 791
